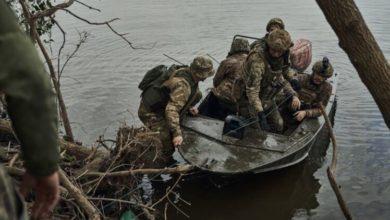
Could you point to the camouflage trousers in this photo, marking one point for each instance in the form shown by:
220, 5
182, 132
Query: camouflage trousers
274, 118
156, 122
11, 205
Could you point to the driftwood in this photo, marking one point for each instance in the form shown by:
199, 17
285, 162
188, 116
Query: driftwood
79, 196
169, 170
331, 170
86, 192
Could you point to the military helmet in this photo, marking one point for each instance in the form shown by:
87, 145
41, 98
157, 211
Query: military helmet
323, 68
279, 40
202, 67
239, 45
275, 21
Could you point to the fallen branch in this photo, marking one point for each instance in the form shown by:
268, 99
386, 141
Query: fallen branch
331, 170
170, 170
123, 201
79, 196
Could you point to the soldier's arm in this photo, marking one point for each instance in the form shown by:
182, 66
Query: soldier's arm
323, 98
253, 73
179, 94
30, 99
220, 74
197, 97
288, 90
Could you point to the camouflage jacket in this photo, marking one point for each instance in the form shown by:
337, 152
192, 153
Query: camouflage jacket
261, 76
260, 43
311, 95
228, 83
29, 96
179, 101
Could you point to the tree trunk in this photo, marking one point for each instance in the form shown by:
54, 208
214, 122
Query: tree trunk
363, 51
35, 37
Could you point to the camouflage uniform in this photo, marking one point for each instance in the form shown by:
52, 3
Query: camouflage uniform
182, 96
30, 104
228, 83
312, 94
262, 41
262, 75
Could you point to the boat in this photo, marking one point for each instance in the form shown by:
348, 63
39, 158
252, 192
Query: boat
206, 148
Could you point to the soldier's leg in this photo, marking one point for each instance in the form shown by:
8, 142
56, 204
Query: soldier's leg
11, 205
247, 111
158, 124
275, 119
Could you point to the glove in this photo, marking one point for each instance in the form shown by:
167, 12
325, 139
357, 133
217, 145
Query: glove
263, 121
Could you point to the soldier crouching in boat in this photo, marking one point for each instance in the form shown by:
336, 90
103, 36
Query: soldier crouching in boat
228, 83
161, 111
314, 90
263, 78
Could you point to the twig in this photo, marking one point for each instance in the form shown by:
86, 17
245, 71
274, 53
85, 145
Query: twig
107, 23
13, 160
181, 199
82, 39
332, 168
168, 192
62, 46
170, 170
78, 195
148, 214
177, 208
123, 201
88, 6
166, 211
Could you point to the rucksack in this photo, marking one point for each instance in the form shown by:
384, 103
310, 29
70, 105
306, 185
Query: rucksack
154, 94
157, 76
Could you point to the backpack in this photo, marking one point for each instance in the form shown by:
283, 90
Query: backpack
157, 76
154, 94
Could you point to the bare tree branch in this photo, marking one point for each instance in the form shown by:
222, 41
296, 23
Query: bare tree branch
88, 6
83, 37
109, 26
51, 11
62, 46
35, 36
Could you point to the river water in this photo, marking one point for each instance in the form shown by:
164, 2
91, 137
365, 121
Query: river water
100, 90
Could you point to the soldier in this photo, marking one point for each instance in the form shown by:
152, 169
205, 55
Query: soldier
228, 83
162, 112
263, 78
314, 90
32, 109
273, 24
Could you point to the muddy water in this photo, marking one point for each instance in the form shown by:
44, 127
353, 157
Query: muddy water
100, 88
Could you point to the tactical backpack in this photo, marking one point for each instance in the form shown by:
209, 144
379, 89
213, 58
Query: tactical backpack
154, 94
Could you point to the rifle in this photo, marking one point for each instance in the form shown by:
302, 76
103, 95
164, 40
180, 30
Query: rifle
174, 60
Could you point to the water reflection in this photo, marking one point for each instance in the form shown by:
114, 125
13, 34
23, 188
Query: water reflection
107, 74
257, 196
